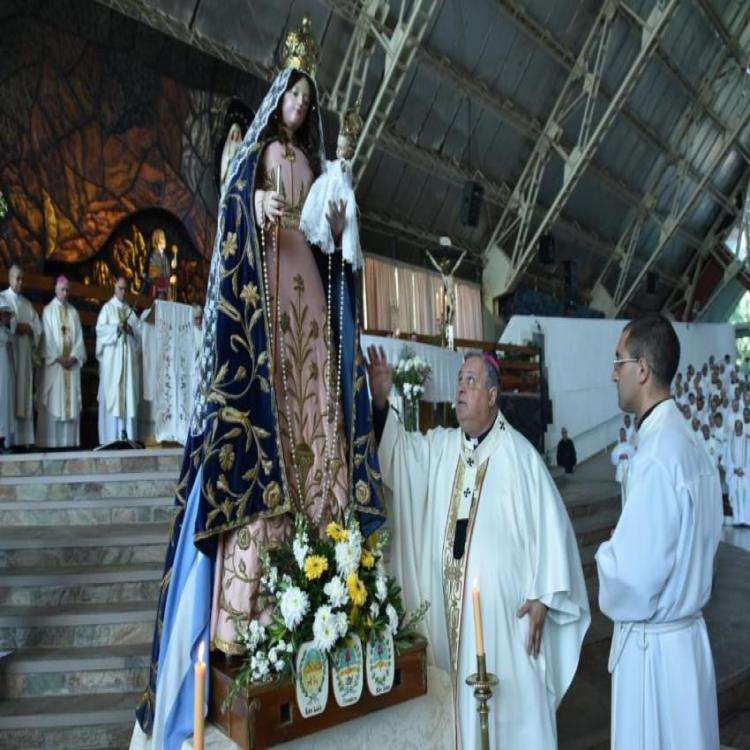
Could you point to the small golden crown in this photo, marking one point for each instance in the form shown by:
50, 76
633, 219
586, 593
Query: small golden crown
352, 124
300, 50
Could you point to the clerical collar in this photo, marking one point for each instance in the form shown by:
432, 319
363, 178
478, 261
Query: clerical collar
475, 442
639, 422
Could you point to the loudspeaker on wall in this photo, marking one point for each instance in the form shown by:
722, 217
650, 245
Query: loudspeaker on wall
471, 203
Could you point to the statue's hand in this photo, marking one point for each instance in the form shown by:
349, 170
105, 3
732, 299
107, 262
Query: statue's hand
380, 376
336, 219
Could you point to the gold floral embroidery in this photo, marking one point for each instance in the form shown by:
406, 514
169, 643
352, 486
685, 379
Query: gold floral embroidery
250, 294
362, 491
272, 495
229, 245
226, 457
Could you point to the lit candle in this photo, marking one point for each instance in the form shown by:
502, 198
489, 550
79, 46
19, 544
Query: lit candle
478, 634
200, 700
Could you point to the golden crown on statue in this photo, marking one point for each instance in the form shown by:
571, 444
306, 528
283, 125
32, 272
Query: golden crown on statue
300, 50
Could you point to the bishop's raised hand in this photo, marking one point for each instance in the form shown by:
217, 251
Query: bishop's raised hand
379, 375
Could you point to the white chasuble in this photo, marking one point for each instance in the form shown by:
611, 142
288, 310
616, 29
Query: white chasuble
119, 371
654, 579
7, 383
63, 337
737, 457
520, 545
24, 350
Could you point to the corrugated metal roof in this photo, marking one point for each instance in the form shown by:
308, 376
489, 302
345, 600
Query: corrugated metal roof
507, 61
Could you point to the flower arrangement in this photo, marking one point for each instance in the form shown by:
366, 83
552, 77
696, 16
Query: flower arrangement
409, 376
321, 590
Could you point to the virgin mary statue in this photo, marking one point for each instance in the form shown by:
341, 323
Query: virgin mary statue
281, 421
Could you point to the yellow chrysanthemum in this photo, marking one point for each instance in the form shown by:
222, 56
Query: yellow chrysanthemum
353, 616
336, 532
356, 589
367, 559
372, 541
315, 566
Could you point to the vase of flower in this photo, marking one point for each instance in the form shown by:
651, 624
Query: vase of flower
409, 376
311, 685
380, 662
411, 414
347, 671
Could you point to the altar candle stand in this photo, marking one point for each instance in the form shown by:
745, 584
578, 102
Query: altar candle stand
483, 681
200, 700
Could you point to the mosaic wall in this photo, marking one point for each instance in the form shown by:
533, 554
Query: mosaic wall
101, 118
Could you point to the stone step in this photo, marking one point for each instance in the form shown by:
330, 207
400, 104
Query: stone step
92, 462
595, 528
88, 486
69, 712
94, 511
45, 587
36, 672
583, 507
77, 625
98, 737
65, 546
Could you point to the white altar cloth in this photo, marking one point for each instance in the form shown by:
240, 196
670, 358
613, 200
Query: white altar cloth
168, 362
445, 364
424, 722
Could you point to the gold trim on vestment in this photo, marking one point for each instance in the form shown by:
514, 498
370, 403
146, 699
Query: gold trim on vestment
67, 340
454, 570
230, 648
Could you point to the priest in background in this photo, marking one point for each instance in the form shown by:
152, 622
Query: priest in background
566, 452
737, 467
655, 572
621, 456
476, 505
118, 351
24, 343
58, 422
7, 380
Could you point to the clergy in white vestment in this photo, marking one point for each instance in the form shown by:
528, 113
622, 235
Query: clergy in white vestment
118, 351
620, 457
7, 381
24, 342
712, 446
476, 505
629, 429
655, 572
737, 468
58, 423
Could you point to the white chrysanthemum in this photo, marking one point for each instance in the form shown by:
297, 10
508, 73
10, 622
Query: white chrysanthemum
336, 592
254, 635
260, 667
381, 588
348, 554
374, 610
294, 604
325, 631
301, 550
271, 580
392, 619
342, 624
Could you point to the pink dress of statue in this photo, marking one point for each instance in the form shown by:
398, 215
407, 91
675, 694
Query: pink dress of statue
302, 399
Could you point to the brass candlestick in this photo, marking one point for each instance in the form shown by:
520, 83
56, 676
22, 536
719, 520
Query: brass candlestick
483, 682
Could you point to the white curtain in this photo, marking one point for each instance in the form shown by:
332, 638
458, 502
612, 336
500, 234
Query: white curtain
410, 299
468, 311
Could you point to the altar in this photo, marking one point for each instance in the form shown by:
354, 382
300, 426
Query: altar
169, 354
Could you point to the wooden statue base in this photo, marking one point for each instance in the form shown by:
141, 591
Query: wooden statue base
265, 715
